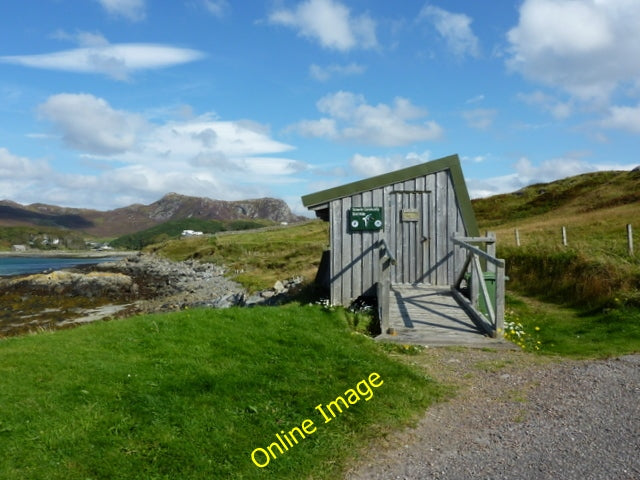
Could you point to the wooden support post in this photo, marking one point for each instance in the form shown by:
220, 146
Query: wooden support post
491, 250
384, 290
491, 246
630, 239
564, 236
500, 305
386, 259
517, 233
474, 287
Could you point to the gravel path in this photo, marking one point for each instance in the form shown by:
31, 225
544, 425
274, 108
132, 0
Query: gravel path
518, 416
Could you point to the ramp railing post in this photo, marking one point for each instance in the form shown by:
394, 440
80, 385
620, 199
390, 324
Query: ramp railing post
383, 289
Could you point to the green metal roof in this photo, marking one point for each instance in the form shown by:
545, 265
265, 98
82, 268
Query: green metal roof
451, 163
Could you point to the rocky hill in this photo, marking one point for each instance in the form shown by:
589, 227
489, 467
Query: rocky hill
138, 217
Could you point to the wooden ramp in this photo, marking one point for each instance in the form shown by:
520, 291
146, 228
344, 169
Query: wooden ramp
429, 315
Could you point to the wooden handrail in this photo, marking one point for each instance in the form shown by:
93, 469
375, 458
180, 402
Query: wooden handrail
492, 321
481, 253
487, 239
384, 246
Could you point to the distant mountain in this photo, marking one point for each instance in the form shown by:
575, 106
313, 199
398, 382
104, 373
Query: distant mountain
138, 217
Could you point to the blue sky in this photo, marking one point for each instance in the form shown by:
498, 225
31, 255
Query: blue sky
105, 103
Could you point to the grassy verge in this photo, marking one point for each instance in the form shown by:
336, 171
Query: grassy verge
257, 259
190, 395
578, 303
574, 277
582, 300
552, 329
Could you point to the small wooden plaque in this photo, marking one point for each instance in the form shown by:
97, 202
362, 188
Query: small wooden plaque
410, 215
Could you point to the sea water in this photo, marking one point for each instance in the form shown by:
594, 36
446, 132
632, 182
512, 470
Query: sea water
25, 265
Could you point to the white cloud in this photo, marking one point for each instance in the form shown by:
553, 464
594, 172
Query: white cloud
587, 48
330, 23
350, 118
325, 127
217, 8
134, 10
550, 170
82, 38
623, 118
323, 74
90, 125
14, 167
135, 160
273, 167
476, 159
205, 136
549, 103
479, 188
476, 99
454, 28
117, 61
22, 179
480, 118
369, 166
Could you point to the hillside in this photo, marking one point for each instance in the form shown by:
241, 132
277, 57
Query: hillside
595, 208
137, 217
580, 196
173, 229
256, 259
595, 269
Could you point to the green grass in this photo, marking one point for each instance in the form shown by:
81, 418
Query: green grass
551, 329
566, 198
24, 235
190, 395
573, 277
585, 298
257, 259
173, 230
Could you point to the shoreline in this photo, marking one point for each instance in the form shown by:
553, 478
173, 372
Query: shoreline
123, 286
68, 254
130, 285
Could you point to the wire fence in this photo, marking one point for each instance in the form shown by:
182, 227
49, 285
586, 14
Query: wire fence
564, 238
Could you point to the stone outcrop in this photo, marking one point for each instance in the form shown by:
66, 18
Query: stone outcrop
143, 284
163, 284
110, 285
280, 292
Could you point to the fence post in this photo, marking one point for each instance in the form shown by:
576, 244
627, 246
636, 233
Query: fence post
564, 236
630, 239
517, 232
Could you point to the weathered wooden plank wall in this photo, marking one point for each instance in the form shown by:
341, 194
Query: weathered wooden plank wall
423, 248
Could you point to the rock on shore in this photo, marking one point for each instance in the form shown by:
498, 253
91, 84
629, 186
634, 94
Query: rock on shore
114, 286
165, 285
136, 284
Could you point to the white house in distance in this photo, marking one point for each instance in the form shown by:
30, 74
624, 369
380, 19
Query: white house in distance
191, 233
